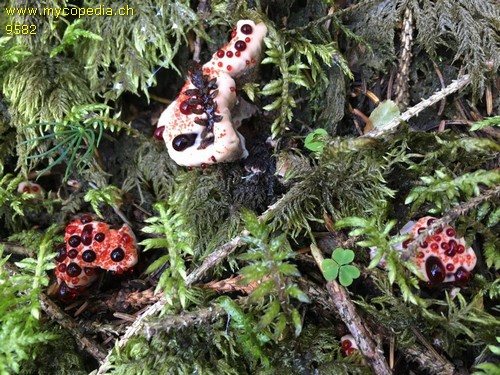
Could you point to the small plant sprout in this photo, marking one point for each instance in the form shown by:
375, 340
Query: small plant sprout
339, 267
315, 141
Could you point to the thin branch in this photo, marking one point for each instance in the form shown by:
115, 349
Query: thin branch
455, 86
372, 352
86, 343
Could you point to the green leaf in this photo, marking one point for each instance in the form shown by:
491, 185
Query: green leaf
384, 113
330, 269
342, 256
347, 274
316, 140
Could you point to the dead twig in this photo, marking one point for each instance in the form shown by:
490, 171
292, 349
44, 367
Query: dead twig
86, 343
372, 352
415, 110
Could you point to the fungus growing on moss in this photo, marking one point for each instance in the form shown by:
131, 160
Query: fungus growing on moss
442, 257
30, 188
88, 245
198, 127
348, 344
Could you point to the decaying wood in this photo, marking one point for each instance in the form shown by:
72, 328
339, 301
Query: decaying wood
403, 73
367, 345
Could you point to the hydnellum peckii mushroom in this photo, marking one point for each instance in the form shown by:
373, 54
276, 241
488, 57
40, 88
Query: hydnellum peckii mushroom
348, 344
442, 257
198, 127
89, 245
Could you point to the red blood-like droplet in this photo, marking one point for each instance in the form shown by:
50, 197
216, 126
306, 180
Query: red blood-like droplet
99, 237
407, 242
229, 68
220, 54
240, 45
452, 248
74, 241
158, 133
450, 232
86, 219
462, 275
350, 351
420, 230
117, 255
61, 252
61, 268
203, 165
73, 270
435, 270
430, 221
346, 344
229, 54
424, 245
450, 267
72, 254
89, 256
88, 271
87, 234
237, 54
35, 189
185, 108
26, 189
246, 29
445, 246
66, 294
461, 249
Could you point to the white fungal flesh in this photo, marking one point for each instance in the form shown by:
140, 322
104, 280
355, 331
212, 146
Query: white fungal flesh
228, 144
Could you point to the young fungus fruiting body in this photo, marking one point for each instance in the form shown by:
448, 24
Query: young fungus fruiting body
89, 245
198, 126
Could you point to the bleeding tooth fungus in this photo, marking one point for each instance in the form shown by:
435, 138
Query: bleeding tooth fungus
197, 127
442, 257
90, 245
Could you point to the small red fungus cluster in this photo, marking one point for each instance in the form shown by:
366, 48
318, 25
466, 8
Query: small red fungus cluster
441, 257
90, 245
348, 344
197, 127
30, 188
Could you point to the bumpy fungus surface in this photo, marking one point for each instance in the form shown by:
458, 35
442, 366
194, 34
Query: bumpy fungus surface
197, 127
89, 245
442, 257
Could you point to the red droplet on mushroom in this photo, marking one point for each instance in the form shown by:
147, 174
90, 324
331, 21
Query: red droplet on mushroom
99, 237
89, 256
349, 351
462, 275
35, 188
117, 255
61, 267
229, 54
450, 232
452, 248
185, 108
246, 29
70, 229
61, 253
237, 54
450, 267
86, 219
445, 246
407, 242
220, 54
424, 245
435, 270
240, 45
66, 294
126, 238
73, 270
203, 165
461, 249
183, 141
346, 344
430, 221
229, 68
72, 253
74, 241
158, 133
87, 234
88, 271
247, 40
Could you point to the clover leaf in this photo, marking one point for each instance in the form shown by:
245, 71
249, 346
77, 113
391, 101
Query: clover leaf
316, 140
339, 267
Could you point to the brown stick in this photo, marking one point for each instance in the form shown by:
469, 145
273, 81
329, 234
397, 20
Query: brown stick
86, 343
366, 344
